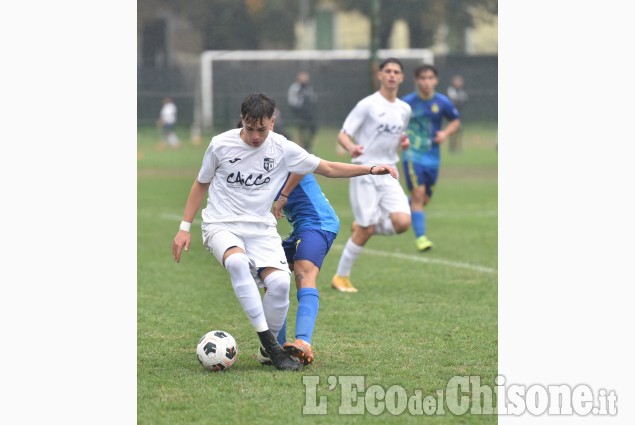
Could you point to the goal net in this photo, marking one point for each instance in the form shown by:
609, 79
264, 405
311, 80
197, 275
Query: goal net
340, 79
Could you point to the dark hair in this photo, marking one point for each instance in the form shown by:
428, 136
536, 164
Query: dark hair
390, 60
256, 107
426, 67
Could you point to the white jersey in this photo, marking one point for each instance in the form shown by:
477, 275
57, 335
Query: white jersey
168, 113
377, 125
245, 180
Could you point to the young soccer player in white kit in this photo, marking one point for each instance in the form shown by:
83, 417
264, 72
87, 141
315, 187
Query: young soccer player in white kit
377, 124
243, 169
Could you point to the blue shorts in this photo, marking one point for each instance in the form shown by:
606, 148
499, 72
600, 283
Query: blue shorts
308, 244
419, 175
168, 128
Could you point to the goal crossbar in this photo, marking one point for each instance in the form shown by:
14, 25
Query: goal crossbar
209, 57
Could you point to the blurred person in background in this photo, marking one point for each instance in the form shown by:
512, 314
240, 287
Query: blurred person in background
458, 96
421, 162
373, 132
302, 99
167, 122
280, 124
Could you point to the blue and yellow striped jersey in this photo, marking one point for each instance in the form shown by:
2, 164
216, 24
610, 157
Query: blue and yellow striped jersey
426, 119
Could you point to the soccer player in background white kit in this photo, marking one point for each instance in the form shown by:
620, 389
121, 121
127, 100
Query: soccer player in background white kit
377, 124
243, 169
167, 121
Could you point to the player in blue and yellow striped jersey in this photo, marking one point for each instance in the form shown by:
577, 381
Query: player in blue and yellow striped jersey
421, 162
315, 226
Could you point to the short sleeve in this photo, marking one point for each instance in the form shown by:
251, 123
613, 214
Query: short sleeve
208, 168
450, 112
298, 160
355, 119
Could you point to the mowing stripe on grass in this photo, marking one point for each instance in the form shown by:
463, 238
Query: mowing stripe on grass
173, 217
420, 259
462, 214
444, 214
415, 258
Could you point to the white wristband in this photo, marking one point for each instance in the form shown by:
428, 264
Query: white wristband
185, 226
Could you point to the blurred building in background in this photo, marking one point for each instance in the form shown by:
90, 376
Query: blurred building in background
171, 36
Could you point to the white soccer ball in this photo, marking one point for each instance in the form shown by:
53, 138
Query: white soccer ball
217, 350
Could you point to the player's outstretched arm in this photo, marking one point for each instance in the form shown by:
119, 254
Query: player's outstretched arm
290, 184
183, 237
340, 169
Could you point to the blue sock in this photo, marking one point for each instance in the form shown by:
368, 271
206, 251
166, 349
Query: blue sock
418, 222
308, 305
282, 335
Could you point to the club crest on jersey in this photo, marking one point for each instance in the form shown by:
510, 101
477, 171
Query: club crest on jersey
268, 164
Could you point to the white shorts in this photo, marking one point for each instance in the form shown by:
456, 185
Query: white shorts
374, 197
261, 243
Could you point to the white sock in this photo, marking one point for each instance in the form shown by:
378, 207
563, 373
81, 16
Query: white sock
385, 227
246, 290
349, 255
276, 301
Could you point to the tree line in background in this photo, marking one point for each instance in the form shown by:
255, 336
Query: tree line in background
269, 24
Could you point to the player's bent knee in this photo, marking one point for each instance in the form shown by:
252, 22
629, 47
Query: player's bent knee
278, 283
237, 264
401, 223
417, 196
402, 228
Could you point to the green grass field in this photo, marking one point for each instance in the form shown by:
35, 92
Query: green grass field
418, 320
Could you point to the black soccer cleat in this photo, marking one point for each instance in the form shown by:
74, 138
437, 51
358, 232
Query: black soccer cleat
263, 357
281, 360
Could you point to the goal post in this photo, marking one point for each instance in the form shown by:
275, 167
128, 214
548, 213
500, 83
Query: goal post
247, 67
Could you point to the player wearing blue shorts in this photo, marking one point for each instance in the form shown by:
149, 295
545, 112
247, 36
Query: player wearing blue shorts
421, 161
315, 226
